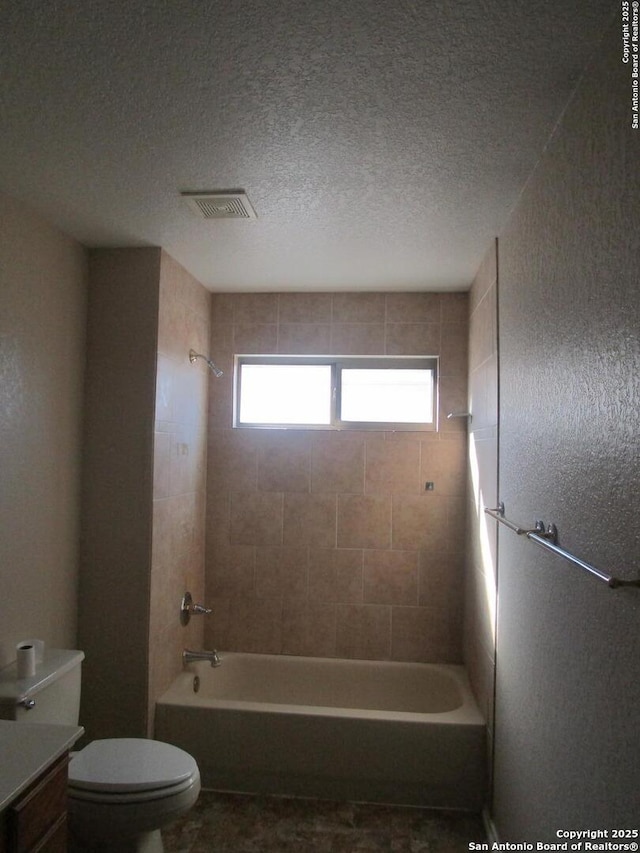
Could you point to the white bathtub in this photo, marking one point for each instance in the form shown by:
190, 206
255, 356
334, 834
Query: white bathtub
354, 730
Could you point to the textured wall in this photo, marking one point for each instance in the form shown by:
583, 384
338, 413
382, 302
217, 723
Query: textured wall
43, 281
480, 591
325, 543
568, 692
113, 604
180, 466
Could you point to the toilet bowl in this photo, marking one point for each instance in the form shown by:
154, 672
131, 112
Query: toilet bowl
123, 790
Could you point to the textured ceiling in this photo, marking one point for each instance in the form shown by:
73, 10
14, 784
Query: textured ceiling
381, 142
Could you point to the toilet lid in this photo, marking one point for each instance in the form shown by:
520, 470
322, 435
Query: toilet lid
129, 764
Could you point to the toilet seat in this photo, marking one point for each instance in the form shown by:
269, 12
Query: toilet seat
130, 797
130, 770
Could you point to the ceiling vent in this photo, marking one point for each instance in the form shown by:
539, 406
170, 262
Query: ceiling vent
220, 204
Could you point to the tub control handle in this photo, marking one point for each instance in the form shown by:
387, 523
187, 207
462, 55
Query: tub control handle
189, 609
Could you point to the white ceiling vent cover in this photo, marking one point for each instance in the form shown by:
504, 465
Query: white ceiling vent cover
220, 204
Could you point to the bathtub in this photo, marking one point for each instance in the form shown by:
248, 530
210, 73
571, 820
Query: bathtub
403, 733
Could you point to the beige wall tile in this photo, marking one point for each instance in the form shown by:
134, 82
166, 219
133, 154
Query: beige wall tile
189, 392
221, 342
337, 465
420, 521
484, 453
284, 463
479, 398
259, 338
161, 464
173, 326
483, 394
390, 577
335, 575
187, 468
392, 467
357, 339
457, 506
412, 339
422, 634
482, 328
222, 308
218, 521
176, 283
454, 307
364, 521
233, 572
248, 625
441, 578
363, 631
413, 307
184, 527
282, 572
256, 518
304, 338
480, 669
480, 602
486, 276
410, 435
304, 307
359, 307
453, 398
310, 520
444, 463
232, 460
255, 308
164, 389
161, 553
454, 355
308, 628
221, 403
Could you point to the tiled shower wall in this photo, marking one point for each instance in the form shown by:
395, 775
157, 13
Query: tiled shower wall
326, 543
177, 562
480, 603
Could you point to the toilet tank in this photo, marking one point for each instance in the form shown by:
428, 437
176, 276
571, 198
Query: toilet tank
52, 695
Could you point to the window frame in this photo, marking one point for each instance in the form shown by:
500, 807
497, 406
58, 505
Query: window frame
337, 364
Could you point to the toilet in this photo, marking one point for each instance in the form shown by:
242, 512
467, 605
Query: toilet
121, 791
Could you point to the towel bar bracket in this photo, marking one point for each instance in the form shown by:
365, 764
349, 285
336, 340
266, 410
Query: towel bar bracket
498, 514
547, 537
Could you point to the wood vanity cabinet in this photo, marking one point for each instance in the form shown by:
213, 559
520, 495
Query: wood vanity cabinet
36, 822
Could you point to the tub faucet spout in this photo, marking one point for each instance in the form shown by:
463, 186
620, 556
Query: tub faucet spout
189, 656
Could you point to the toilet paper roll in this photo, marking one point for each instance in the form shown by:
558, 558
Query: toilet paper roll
26, 659
38, 645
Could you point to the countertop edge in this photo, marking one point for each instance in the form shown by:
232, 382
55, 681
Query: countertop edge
26, 750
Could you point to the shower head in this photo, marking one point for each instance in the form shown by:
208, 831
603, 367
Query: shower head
193, 355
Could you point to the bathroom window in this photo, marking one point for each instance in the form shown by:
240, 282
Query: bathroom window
335, 392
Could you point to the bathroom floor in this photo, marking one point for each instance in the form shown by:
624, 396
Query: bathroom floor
238, 823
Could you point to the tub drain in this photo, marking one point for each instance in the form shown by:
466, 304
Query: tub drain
196, 683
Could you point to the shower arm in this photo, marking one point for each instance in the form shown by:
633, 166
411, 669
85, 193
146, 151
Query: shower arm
193, 356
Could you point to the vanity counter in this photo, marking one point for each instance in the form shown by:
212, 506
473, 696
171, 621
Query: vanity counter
26, 750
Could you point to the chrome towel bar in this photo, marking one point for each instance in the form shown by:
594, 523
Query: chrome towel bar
547, 537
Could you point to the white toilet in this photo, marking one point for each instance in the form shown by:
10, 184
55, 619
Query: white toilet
121, 790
